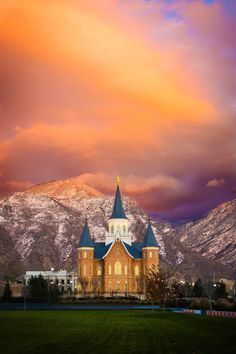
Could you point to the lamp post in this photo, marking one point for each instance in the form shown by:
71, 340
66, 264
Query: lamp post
25, 292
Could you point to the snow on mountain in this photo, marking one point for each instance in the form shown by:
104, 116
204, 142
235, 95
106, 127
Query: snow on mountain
214, 235
41, 228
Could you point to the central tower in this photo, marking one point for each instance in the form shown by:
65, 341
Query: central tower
118, 221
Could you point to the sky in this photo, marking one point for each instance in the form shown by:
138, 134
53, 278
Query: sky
141, 89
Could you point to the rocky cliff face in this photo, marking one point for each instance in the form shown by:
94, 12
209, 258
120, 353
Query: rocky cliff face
40, 228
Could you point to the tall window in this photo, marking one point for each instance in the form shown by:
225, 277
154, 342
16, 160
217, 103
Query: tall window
126, 286
109, 269
117, 268
118, 286
90, 270
150, 254
99, 270
112, 229
110, 286
126, 270
85, 254
136, 270
118, 228
144, 270
124, 229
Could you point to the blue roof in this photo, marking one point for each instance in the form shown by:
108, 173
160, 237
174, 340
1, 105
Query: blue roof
134, 250
149, 238
101, 249
118, 211
85, 239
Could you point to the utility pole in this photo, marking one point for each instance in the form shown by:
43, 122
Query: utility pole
25, 293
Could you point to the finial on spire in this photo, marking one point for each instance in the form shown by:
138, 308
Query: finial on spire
149, 219
118, 180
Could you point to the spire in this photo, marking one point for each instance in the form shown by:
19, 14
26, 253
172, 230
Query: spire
118, 211
85, 239
149, 238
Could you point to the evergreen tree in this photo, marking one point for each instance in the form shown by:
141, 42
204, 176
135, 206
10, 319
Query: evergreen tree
198, 289
54, 292
220, 290
7, 293
38, 288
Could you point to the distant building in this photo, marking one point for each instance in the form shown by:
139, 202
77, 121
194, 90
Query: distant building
64, 279
118, 265
16, 288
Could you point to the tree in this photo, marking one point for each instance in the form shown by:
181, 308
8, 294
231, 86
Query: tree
38, 288
7, 293
84, 284
54, 292
198, 289
95, 283
157, 285
140, 285
219, 290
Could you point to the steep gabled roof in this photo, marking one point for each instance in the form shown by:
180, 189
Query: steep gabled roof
111, 245
101, 249
149, 238
118, 210
135, 252
85, 239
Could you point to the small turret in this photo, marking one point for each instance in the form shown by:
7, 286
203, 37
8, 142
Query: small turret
85, 254
150, 250
150, 239
85, 239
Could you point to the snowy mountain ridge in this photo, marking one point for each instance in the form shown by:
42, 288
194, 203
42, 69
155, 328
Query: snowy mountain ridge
41, 227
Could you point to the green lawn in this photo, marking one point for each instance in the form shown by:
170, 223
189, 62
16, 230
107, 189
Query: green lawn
114, 331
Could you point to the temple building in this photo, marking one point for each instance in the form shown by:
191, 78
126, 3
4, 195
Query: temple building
118, 265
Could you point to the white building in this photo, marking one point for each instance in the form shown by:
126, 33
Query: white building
66, 280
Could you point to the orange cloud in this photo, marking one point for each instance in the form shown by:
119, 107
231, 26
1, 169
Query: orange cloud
121, 88
79, 39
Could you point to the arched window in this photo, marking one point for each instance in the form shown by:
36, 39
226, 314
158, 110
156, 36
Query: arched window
124, 229
99, 270
85, 254
117, 286
136, 270
112, 229
118, 228
150, 254
126, 286
90, 270
110, 286
126, 270
109, 269
117, 268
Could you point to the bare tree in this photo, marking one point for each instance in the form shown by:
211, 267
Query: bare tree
95, 283
157, 285
140, 281
84, 284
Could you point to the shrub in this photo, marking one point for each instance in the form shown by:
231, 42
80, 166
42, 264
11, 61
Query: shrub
223, 304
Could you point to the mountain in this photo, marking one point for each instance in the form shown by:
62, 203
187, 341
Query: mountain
214, 235
40, 228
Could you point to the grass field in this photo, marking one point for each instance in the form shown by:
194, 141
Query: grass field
114, 331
